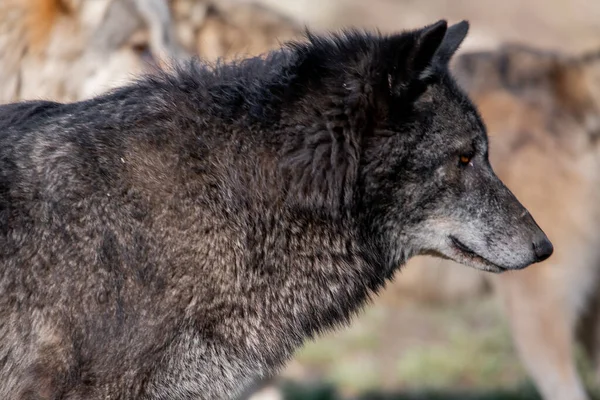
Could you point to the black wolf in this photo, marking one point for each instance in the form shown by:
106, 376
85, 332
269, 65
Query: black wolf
178, 238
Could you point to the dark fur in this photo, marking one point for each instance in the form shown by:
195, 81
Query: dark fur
180, 237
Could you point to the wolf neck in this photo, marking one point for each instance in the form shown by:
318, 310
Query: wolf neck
313, 276
282, 269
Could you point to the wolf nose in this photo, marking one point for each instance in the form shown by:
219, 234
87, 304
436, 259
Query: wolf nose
543, 249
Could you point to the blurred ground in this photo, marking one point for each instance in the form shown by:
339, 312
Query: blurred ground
425, 352
416, 351
417, 345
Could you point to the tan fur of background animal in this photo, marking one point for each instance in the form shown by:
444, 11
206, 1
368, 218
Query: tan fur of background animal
230, 29
68, 50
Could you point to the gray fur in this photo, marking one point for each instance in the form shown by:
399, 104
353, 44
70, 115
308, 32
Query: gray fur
182, 236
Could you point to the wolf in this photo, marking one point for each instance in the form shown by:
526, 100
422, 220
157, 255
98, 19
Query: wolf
542, 110
181, 236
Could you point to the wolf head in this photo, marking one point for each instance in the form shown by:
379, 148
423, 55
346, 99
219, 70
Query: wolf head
398, 145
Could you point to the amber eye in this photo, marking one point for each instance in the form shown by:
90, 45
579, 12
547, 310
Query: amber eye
465, 159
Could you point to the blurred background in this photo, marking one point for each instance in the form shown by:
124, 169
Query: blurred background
439, 331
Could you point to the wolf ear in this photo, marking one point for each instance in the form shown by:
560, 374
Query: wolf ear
452, 41
432, 47
428, 42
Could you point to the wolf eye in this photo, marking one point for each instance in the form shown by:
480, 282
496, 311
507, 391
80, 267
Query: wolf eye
465, 159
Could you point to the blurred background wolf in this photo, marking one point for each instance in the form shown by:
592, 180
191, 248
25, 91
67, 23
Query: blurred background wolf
438, 332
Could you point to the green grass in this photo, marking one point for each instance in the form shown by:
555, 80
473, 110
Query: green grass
485, 360
470, 347
347, 360
464, 352
295, 391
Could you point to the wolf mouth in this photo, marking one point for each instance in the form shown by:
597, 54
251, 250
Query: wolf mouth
466, 251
